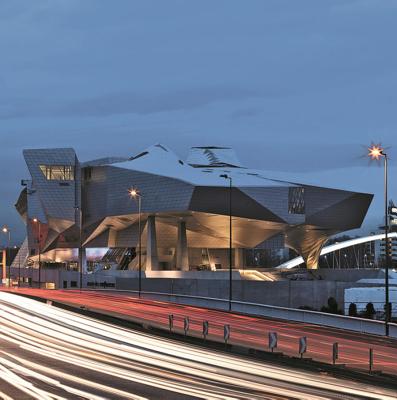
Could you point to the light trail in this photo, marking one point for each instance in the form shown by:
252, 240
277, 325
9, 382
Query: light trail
248, 331
55, 354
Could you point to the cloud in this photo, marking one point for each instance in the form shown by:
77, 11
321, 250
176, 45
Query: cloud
128, 102
136, 103
246, 112
296, 156
293, 86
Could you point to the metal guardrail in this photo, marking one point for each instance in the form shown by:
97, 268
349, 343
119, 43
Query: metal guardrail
356, 324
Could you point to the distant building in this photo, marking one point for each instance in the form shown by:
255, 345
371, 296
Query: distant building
392, 242
392, 248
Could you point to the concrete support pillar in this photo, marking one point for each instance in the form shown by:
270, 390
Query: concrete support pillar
152, 261
182, 255
238, 258
307, 243
112, 238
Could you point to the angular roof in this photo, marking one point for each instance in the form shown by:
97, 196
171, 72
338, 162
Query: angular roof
212, 156
160, 160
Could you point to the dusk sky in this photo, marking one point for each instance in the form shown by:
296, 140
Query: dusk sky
298, 88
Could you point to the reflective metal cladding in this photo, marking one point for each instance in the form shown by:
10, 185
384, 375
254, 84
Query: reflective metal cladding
63, 189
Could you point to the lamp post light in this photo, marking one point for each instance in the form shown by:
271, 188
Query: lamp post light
230, 238
38, 222
135, 194
6, 230
376, 152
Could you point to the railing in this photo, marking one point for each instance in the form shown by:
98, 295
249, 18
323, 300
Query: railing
356, 324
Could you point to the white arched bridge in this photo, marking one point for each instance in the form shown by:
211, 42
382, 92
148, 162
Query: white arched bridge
337, 246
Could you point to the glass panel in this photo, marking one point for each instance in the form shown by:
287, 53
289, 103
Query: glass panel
58, 172
296, 200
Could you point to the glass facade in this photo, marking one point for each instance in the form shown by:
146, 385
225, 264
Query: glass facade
58, 172
296, 200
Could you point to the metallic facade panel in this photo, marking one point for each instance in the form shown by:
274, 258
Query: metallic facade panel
215, 200
173, 191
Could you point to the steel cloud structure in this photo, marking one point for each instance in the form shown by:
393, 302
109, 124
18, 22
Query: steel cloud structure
185, 208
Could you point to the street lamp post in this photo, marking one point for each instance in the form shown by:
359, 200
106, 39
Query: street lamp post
230, 238
38, 222
81, 247
376, 152
19, 266
134, 193
80, 250
7, 231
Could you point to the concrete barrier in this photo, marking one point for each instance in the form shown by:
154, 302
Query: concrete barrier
361, 325
314, 317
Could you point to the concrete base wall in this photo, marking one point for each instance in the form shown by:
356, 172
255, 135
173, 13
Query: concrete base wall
293, 294
348, 275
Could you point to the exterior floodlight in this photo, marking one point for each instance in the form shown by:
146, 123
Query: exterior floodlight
134, 192
376, 151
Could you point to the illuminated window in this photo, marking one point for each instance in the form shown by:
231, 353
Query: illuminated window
296, 200
58, 172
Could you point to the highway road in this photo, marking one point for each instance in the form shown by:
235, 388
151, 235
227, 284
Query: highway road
245, 330
52, 354
49, 353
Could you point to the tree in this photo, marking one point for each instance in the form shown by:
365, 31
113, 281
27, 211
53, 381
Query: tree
353, 310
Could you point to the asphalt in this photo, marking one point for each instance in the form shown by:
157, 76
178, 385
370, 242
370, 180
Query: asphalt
249, 331
48, 352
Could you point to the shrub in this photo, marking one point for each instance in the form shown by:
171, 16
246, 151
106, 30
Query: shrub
353, 310
370, 310
332, 305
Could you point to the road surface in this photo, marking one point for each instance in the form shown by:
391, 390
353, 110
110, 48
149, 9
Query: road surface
245, 330
49, 353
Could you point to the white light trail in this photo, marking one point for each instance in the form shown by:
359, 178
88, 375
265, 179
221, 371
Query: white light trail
67, 339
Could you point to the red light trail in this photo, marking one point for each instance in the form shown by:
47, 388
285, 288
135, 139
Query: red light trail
246, 330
